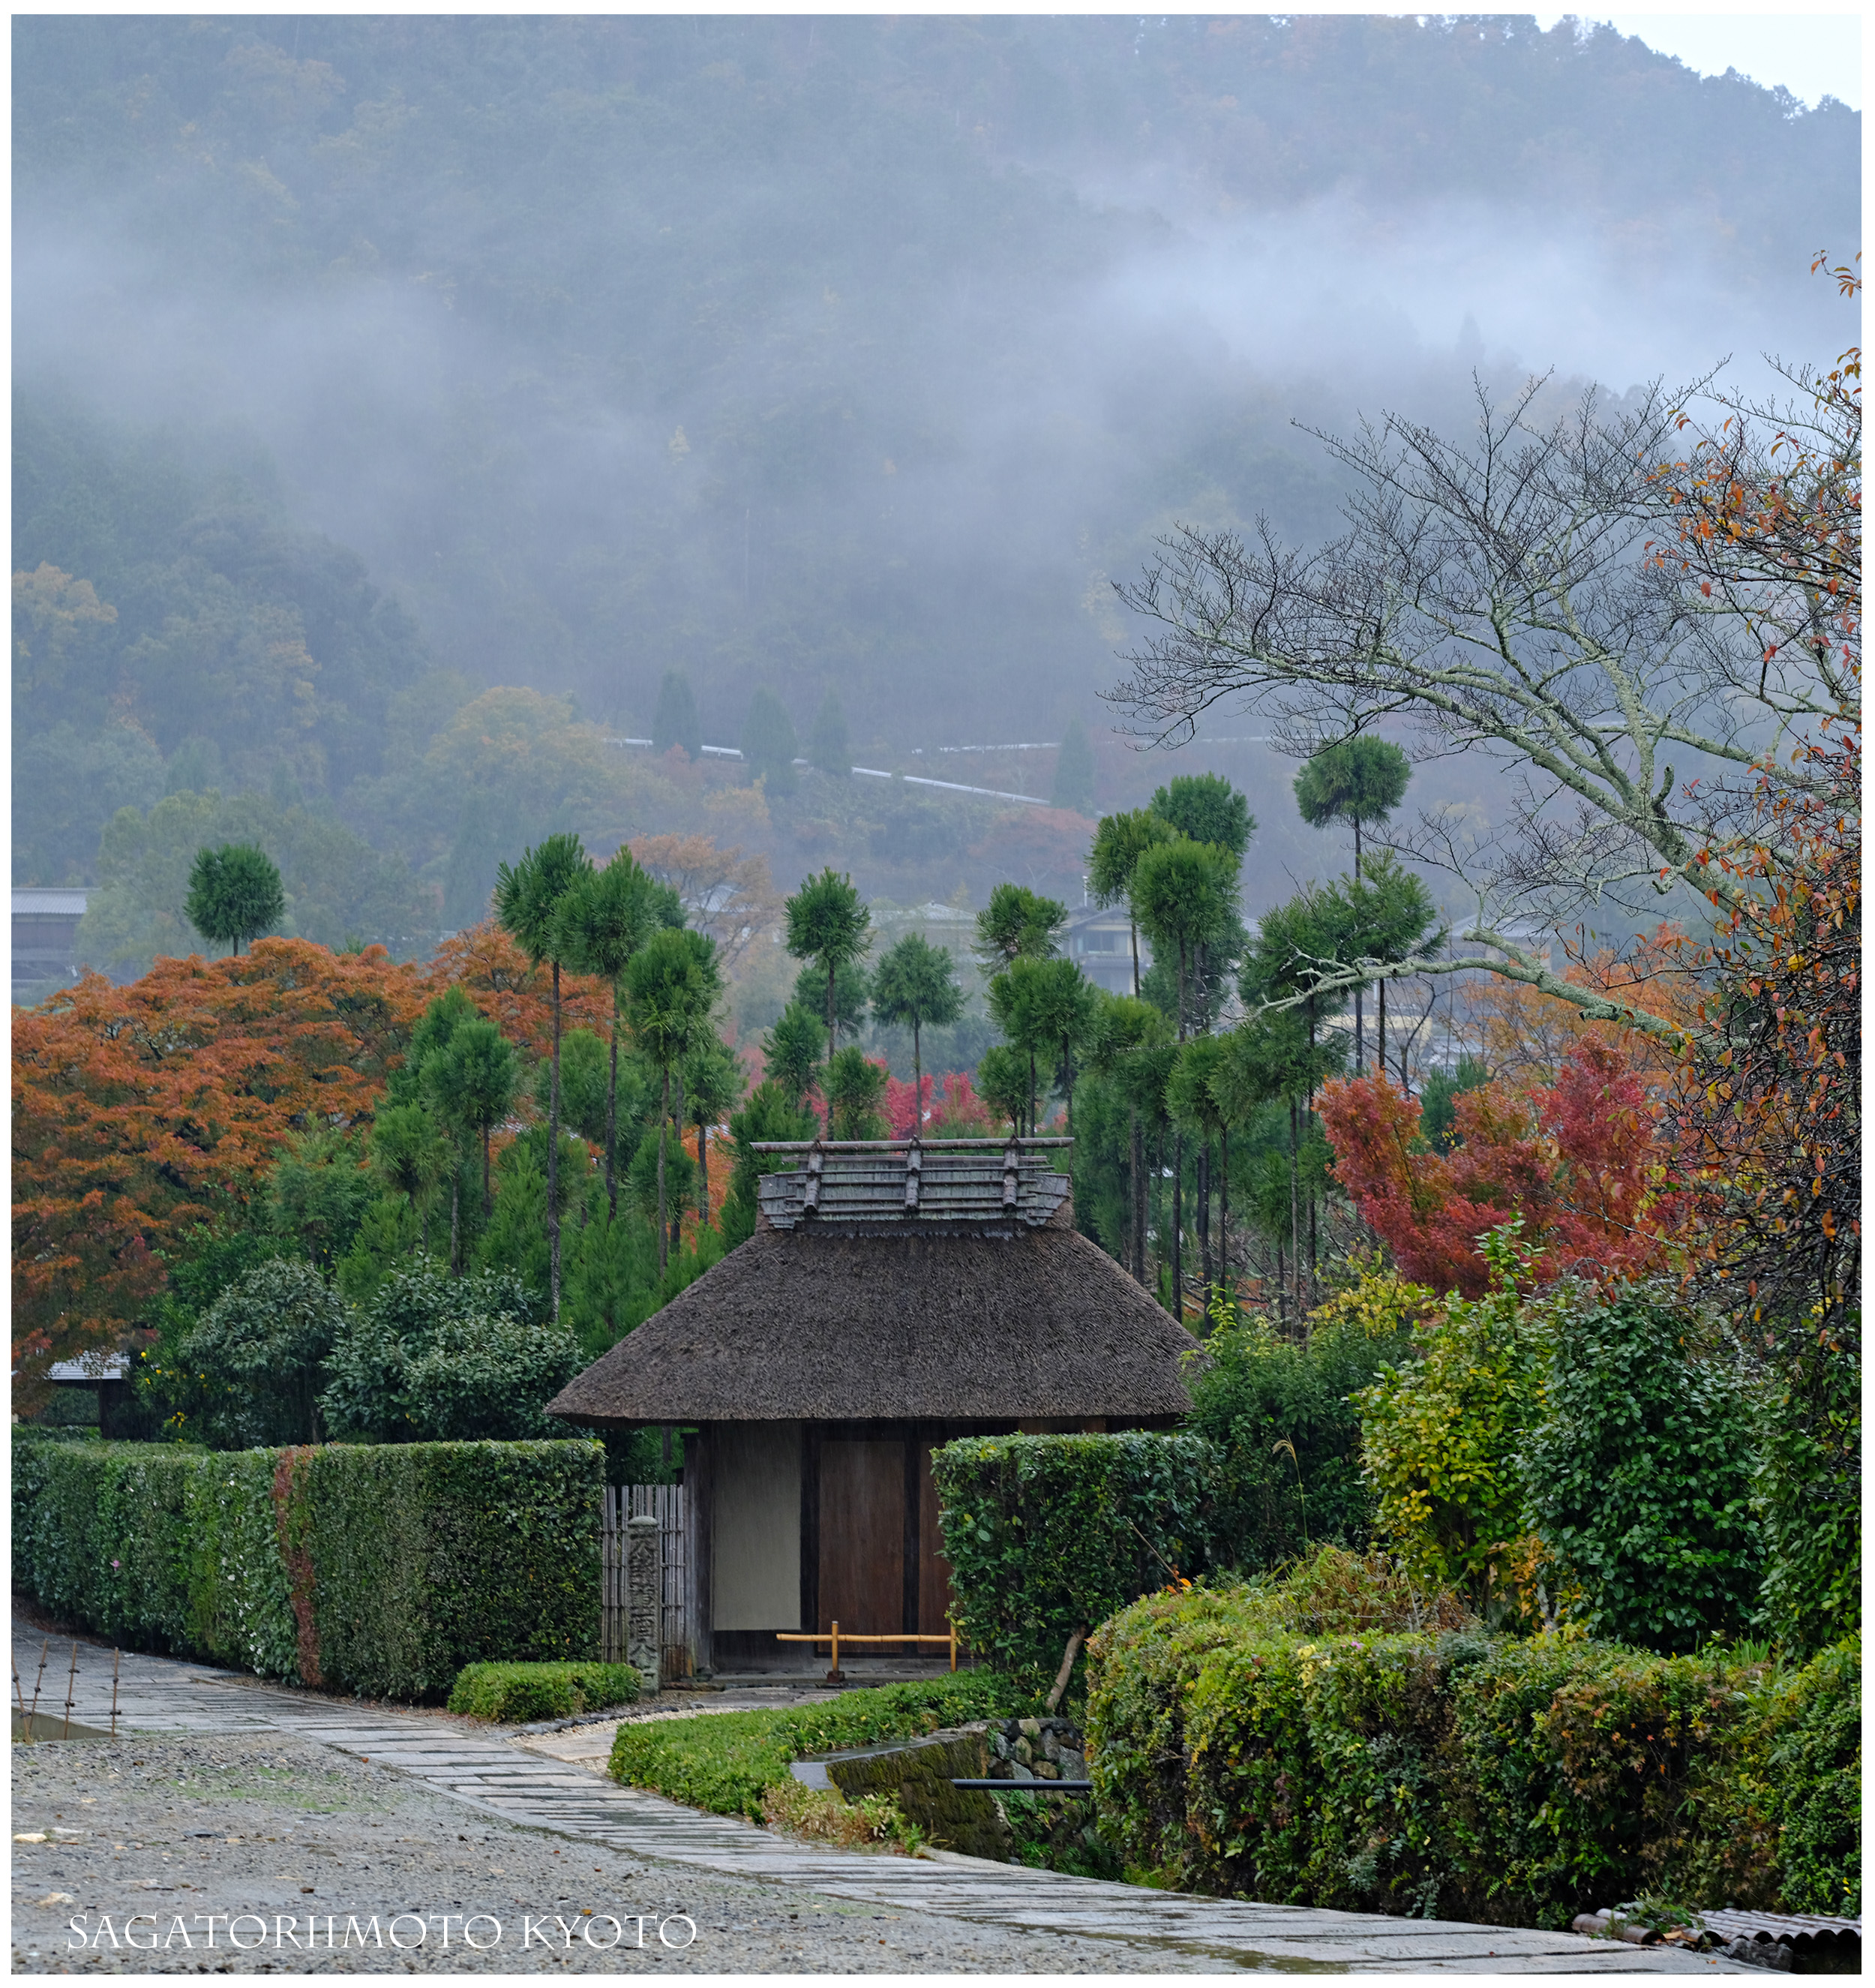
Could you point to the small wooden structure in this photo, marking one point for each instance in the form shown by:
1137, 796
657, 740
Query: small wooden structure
896, 1294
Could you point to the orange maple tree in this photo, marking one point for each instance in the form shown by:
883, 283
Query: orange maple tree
141, 1112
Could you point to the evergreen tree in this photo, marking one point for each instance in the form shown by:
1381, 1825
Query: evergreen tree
674, 981
473, 1080
851, 987
827, 924
1004, 1082
603, 921
914, 986
855, 1089
1074, 770
1206, 807
792, 1051
828, 746
769, 1114
1019, 924
234, 894
1119, 842
768, 744
528, 899
676, 722
1123, 1026
1185, 893
1355, 780
713, 1082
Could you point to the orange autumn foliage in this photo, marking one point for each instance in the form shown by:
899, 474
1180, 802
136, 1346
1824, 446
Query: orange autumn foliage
142, 1111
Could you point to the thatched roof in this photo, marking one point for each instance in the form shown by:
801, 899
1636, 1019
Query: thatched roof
840, 1323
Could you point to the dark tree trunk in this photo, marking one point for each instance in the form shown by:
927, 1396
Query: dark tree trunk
663, 1121
553, 1159
1296, 1206
1204, 1213
1359, 1061
455, 1229
1379, 1031
612, 1116
1137, 1145
703, 1174
1178, 1216
1224, 1207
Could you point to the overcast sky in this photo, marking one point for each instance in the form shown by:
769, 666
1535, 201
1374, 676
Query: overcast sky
1811, 54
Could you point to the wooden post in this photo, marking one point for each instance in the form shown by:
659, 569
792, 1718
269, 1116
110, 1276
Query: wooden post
954, 1643
833, 1676
71, 1691
44, 1651
116, 1655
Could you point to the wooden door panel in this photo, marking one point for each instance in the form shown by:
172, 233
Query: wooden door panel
862, 1536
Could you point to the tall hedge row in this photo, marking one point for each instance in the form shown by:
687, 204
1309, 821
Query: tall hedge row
1450, 1773
377, 1571
1047, 1534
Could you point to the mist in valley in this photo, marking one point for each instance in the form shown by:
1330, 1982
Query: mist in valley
367, 367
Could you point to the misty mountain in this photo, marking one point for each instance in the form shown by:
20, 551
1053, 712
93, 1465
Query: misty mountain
365, 363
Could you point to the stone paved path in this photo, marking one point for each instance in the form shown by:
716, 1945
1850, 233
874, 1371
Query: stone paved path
527, 1785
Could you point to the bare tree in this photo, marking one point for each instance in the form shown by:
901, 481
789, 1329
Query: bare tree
1528, 596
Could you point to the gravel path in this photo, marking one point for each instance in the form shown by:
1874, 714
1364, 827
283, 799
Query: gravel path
271, 1832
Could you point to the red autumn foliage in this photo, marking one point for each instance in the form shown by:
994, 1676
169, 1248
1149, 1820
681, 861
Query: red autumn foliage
1578, 1160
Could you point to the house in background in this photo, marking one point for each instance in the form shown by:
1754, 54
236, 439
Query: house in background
1100, 944
45, 938
894, 1296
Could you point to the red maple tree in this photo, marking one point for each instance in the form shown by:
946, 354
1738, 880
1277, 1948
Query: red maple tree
1579, 1160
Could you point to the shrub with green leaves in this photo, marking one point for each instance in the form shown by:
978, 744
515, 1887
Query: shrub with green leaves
1281, 1413
1275, 1741
257, 1359
726, 1763
1638, 1477
443, 1359
379, 1569
1048, 1534
517, 1694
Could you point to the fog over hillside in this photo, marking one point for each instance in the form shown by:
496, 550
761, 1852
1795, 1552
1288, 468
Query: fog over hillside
849, 352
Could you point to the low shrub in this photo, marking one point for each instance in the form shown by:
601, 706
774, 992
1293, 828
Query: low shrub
377, 1571
873, 1822
1047, 1534
516, 1694
1256, 1742
727, 1762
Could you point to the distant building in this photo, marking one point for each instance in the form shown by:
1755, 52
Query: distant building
45, 937
1100, 944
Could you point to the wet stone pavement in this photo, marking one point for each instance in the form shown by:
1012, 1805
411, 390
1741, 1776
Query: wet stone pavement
231, 1826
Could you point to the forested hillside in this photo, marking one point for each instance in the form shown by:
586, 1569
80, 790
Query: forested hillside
366, 364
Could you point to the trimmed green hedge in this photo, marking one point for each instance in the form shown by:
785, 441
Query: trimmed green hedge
378, 1570
1049, 1534
724, 1761
1369, 1767
515, 1694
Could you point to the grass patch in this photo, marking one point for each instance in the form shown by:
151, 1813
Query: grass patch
516, 1694
727, 1762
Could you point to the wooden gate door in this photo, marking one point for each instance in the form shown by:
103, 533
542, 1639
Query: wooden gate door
862, 1585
